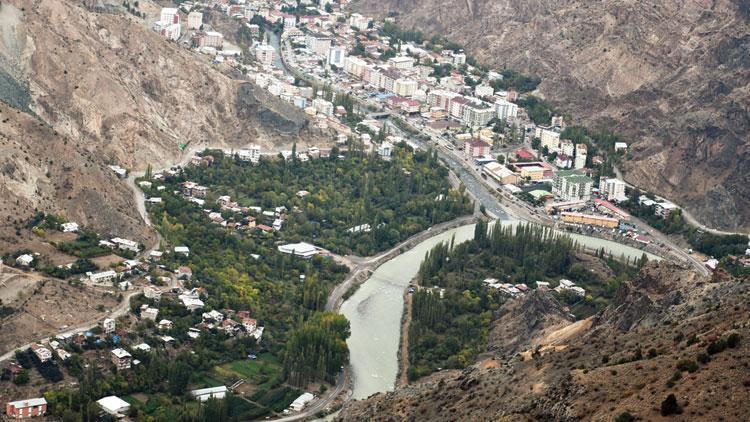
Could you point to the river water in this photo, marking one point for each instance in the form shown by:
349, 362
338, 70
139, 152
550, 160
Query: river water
375, 310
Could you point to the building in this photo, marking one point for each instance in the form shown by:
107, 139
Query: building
169, 24
459, 58
28, 408
563, 161
442, 99
405, 87
195, 20
531, 171
153, 293
477, 113
318, 43
483, 90
103, 277
385, 150
664, 208
572, 185
590, 220
580, 159
359, 22
549, 139
506, 110
25, 260
476, 148
302, 250
401, 62
204, 394
69, 227
149, 313
109, 325
182, 250
265, 54
567, 147
126, 244
500, 173
114, 406
210, 39
300, 402
322, 106
41, 352
355, 66
121, 359
612, 189
336, 56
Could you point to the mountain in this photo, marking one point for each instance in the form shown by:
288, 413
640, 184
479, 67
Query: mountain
669, 331
85, 84
672, 77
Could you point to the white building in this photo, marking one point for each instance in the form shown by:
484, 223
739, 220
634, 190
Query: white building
612, 189
322, 106
483, 90
405, 87
355, 66
318, 43
183, 250
126, 244
359, 22
195, 20
300, 402
385, 150
204, 394
25, 260
506, 110
103, 277
549, 139
148, 312
69, 227
169, 24
401, 62
114, 406
109, 325
580, 160
265, 54
459, 59
251, 153
302, 250
336, 56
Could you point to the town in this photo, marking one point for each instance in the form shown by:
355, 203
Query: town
377, 90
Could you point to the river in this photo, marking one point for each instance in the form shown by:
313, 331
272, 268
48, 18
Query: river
375, 310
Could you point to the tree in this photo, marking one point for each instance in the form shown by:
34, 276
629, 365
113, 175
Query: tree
670, 406
21, 378
179, 377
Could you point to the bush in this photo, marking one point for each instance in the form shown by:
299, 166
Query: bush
624, 417
21, 378
670, 406
687, 365
704, 358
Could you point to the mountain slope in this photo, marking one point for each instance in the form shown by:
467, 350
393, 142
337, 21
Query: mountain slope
671, 76
99, 87
648, 343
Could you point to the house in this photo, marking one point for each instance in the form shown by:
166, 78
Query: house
109, 325
500, 173
41, 352
385, 150
121, 359
142, 347
183, 250
28, 408
249, 324
184, 273
149, 312
151, 292
191, 303
563, 161
204, 394
114, 406
165, 324
230, 326
302, 250
69, 227
300, 402
213, 316
62, 354
25, 260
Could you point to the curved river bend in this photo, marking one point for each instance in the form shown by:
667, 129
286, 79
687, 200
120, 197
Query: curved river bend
375, 310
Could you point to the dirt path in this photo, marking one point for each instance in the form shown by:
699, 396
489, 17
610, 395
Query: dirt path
403, 354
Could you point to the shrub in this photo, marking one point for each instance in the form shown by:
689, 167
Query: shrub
704, 358
624, 417
687, 365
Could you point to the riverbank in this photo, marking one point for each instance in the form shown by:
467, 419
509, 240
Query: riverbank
402, 377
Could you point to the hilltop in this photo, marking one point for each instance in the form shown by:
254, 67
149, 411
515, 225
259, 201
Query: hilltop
85, 85
672, 77
669, 331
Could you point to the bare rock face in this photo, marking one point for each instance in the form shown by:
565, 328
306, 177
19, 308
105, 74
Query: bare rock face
651, 341
672, 76
85, 85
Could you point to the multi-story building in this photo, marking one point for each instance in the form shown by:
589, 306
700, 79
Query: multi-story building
109, 325
322, 106
121, 359
318, 43
549, 138
475, 148
265, 54
211, 39
195, 20
168, 24
572, 185
506, 110
580, 159
359, 22
41, 352
336, 56
567, 147
251, 153
405, 87
459, 58
401, 62
477, 114
441, 99
483, 90
28, 408
612, 189
355, 66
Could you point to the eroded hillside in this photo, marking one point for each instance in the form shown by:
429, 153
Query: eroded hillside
667, 332
88, 85
671, 76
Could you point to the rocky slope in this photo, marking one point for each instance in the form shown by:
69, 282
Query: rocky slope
646, 345
85, 84
673, 76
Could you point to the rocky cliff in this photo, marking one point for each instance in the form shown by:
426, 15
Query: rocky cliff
667, 332
86, 84
672, 76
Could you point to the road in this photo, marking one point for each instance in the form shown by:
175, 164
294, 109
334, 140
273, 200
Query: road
121, 309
